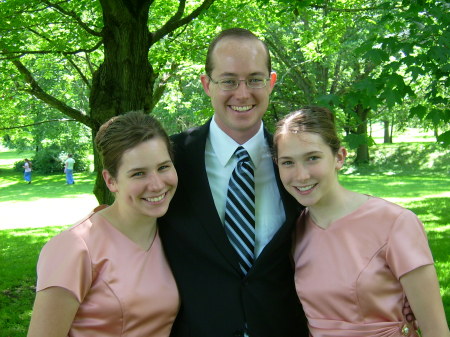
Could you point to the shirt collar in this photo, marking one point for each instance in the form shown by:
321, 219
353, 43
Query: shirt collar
224, 146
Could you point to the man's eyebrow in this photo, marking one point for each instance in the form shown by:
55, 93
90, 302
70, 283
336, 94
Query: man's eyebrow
257, 73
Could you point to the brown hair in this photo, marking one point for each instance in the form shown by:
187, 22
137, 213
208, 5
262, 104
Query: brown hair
309, 119
124, 132
233, 33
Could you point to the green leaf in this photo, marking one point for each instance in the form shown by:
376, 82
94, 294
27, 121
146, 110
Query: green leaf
435, 116
355, 140
419, 111
444, 138
328, 100
377, 56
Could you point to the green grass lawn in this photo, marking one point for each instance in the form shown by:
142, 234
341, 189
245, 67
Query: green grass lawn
49, 201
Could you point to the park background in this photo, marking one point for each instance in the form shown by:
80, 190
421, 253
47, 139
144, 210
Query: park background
66, 67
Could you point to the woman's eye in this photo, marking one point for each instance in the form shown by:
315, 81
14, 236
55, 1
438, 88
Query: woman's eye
163, 167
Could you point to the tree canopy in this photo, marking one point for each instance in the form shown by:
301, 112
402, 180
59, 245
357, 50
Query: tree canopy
68, 66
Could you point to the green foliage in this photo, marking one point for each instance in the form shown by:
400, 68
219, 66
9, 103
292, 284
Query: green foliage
415, 49
47, 161
426, 159
20, 251
51, 160
388, 57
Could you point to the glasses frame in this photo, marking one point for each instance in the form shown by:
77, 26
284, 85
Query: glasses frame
220, 83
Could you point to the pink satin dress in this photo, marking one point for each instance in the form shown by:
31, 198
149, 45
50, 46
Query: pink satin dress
123, 290
347, 276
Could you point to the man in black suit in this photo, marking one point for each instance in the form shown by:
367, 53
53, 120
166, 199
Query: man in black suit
218, 298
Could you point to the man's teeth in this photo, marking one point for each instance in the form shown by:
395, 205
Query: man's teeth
241, 108
305, 188
155, 199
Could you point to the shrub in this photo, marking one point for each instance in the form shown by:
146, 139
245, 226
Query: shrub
47, 161
82, 162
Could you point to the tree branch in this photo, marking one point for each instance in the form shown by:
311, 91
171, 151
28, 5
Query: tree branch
21, 53
74, 16
39, 93
37, 123
354, 10
300, 79
177, 21
79, 71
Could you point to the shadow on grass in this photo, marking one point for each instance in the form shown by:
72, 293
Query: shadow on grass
19, 254
435, 213
405, 159
397, 186
48, 186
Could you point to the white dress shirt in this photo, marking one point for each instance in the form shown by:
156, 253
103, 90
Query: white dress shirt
220, 162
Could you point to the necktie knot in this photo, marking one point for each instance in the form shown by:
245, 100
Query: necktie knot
243, 156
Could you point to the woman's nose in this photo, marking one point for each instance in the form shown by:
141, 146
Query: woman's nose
155, 183
302, 173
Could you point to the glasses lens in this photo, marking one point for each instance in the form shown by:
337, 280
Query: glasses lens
256, 82
228, 84
252, 82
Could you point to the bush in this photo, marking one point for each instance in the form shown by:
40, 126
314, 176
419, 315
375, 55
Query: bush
18, 165
51, 160
82, 162
47, 161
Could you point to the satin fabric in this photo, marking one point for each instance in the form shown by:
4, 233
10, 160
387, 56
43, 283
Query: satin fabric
123, 290
347, 276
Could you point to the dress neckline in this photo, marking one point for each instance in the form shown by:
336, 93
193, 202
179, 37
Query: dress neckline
333, 223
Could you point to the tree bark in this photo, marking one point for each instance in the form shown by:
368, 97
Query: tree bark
387, 136
124, 82
362, 152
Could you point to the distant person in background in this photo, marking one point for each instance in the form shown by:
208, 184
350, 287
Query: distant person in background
107, 275
28, 167
358, 258
68, 169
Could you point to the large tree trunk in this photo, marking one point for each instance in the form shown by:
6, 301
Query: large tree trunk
362, 152
125, 80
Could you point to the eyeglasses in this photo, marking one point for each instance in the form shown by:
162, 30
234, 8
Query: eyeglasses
232, 83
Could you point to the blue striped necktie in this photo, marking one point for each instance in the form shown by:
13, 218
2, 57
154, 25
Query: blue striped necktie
240, 210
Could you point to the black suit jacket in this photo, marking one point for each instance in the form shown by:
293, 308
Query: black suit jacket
216, 301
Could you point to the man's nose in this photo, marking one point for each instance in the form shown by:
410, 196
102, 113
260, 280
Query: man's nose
242, 90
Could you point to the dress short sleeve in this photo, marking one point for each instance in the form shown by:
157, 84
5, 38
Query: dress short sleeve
408, 247
64, 262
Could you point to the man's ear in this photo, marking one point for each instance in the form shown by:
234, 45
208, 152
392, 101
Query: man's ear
205, 83
110, 181
273, 79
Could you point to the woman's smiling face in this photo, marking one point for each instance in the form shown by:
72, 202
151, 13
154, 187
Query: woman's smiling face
308, 168
146, 179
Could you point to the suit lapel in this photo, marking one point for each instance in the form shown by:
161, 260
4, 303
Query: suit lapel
200, 196
292, 211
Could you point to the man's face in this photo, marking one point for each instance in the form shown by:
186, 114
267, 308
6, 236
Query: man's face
239, 112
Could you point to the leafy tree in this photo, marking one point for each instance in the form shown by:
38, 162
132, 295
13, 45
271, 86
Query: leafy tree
104, 45
362, 58
415, 49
